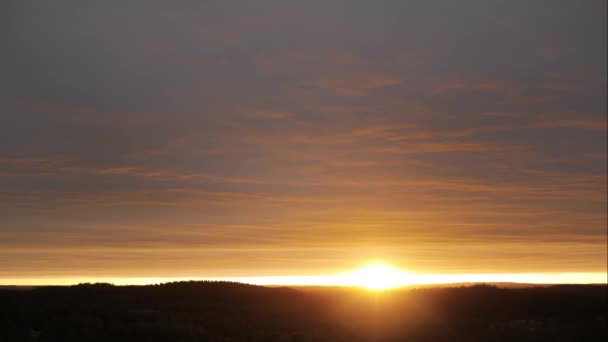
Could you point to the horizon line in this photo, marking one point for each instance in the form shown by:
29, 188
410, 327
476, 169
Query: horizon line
540, 278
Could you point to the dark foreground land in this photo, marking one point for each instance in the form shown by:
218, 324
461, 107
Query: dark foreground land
219, 311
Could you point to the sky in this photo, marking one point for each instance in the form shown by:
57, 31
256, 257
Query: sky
280, 138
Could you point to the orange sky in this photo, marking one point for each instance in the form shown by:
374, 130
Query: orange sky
178, 140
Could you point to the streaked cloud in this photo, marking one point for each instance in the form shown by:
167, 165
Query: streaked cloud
216, 139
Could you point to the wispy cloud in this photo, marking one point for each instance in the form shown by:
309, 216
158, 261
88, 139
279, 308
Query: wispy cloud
586, 124
190, 138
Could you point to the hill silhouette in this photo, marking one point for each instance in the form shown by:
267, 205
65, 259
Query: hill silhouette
225, 311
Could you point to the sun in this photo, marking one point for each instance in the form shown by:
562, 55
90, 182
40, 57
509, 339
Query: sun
377, 276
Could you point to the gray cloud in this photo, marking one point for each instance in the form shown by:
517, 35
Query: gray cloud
255, 125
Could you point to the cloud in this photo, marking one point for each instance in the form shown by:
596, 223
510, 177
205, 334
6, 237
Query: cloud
585, 124
260, 136
265, 114
358, 83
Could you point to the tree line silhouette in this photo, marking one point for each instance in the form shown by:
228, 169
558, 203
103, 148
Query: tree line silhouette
226, 311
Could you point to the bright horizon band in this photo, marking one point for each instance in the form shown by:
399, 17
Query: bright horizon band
334, 280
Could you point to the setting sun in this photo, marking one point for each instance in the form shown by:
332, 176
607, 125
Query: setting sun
376, 276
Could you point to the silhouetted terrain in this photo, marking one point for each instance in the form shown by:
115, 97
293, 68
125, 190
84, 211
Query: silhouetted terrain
220, 311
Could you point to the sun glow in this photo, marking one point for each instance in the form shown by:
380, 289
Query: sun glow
376, 276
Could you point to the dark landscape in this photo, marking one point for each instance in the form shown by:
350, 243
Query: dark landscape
224, 311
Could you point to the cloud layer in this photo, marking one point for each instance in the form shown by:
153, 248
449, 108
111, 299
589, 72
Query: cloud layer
216, 139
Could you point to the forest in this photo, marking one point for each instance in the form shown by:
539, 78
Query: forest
224, 311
